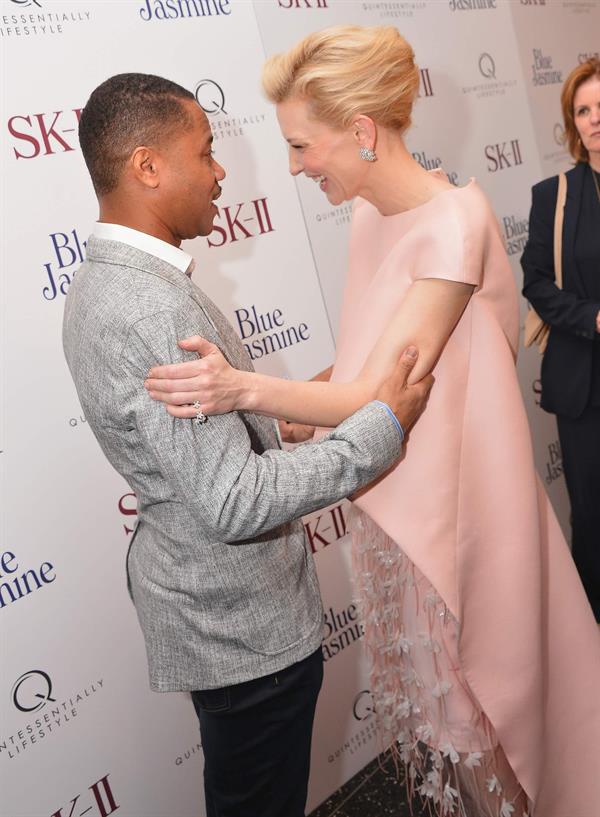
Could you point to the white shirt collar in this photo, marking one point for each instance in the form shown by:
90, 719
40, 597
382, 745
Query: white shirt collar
146, 243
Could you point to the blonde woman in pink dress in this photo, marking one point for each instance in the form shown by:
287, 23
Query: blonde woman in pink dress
484, 652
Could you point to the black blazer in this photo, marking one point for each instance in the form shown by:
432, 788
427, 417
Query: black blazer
570, 313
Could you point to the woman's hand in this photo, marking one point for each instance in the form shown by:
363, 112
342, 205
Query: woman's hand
209, 381
598, 322
295, 432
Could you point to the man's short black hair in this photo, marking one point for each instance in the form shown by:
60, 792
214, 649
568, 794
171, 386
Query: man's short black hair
124, 112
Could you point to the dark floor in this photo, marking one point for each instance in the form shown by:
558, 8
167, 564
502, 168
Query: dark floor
375, 791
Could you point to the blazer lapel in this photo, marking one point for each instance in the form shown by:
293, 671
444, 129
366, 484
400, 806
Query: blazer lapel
572, 209
233, 348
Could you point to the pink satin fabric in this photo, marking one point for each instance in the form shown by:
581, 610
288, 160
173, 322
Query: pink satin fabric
465, 503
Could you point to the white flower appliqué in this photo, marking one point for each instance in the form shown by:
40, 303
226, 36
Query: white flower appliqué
441, 688
449, 799
449, 751
493, 784
506, 809
473, 759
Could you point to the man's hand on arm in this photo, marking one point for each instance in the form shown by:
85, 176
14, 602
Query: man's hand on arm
406, 402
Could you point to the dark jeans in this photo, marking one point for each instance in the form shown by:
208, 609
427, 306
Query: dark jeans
580, 444
256, 741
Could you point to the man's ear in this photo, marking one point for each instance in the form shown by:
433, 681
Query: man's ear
144, 163
365, 132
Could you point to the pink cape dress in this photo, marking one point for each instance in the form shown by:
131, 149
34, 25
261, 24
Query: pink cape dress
466, 511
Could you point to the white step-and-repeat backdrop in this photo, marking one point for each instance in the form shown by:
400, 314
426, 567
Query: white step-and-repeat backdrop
80, 732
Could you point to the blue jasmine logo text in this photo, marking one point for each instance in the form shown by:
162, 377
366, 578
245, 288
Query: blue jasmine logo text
178, 9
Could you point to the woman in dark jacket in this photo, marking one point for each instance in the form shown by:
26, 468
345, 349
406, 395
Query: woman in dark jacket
571, 364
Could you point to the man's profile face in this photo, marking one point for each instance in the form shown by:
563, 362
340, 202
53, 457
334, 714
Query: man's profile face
190, 177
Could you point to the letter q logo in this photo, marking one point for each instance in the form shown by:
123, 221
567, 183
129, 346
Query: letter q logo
32, 691
363, 706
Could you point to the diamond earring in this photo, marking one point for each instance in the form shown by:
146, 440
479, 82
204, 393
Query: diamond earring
367, 155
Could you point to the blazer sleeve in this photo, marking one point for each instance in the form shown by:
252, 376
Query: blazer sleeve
559, 309
233, 492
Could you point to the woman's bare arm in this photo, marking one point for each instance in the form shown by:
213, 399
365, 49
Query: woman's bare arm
426, 318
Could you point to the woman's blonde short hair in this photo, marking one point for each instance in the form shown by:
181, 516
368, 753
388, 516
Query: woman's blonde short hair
345, 71
588, 69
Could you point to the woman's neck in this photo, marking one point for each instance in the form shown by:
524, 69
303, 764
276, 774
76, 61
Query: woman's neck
396, 182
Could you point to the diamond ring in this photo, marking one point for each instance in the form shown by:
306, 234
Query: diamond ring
200, 417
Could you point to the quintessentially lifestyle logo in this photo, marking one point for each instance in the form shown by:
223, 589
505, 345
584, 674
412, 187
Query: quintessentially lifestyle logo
183, 9
33, 694
580, 6
335, 216
75, 421
263, 333
487, 66
342, 628
363, 707
67, 255
558, 132
16, 583
558, 151
516, 232
503, 155
325, 527
394, 9
425, 86
193, 751
99, 799
431, 163
543, 72
32, 691
235, 222
533, 2
472, 5
492, 85
210, 95
302, 4
584, 56
44, 134
34, 19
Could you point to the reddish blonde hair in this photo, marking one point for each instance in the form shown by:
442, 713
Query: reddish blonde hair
588, 69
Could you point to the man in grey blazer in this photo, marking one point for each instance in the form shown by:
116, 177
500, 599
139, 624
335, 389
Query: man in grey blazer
220, 572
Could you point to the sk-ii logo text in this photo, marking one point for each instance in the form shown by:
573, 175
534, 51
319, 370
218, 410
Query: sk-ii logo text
44, 134
425, 86
241, 221
101, 803
302, 4
503, 155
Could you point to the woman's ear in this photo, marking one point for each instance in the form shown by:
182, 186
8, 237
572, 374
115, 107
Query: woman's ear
365, 132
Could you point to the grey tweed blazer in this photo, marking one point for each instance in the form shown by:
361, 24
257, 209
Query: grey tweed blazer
220, 571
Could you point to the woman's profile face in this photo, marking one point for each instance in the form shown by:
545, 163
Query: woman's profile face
586, 113
328, 156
